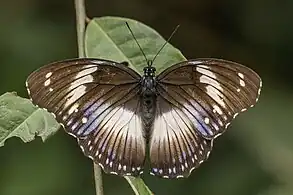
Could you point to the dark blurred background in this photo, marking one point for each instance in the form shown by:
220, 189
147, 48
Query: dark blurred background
254, 157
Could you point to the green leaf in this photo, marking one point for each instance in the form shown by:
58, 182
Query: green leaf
109, 38
20, 118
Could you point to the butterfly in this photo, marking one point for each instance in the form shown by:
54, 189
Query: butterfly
121, 118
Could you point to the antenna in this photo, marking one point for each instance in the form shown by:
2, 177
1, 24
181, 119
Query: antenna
150, 62
136, 42
165, 43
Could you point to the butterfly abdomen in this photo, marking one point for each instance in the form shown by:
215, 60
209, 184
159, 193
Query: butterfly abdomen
148, 109
148, 103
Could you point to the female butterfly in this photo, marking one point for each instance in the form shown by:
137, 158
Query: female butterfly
120, 118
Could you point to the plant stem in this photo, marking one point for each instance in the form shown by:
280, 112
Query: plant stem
80, 29
98, 179
80, 26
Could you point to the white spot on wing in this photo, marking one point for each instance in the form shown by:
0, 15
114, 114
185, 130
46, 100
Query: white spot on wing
84, 120
206, 120
242, 83
49, 74
174, 170
73, 109
240, 75
47, 82
217, 109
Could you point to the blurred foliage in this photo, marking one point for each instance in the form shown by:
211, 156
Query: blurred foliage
254, 157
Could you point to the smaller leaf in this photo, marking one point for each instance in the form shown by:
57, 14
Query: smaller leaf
20, 118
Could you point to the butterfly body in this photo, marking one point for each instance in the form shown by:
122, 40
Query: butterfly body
148, 98
120, 117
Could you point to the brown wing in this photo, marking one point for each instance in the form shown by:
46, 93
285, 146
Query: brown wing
96, 101
117, 144
176, 147
211, 92
73, 89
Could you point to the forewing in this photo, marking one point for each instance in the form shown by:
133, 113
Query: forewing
176, 147
211, 92
118, 143
79, 90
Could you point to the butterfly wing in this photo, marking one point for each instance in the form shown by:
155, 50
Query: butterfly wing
118, 144
97, 102
176, 148
210, 92
74, 91
197, 100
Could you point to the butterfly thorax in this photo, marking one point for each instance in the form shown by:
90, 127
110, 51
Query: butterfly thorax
148, 96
